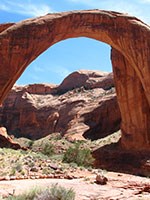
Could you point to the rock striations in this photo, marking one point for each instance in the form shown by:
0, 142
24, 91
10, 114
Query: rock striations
84, 108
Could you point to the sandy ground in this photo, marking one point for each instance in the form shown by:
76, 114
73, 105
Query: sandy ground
119, 187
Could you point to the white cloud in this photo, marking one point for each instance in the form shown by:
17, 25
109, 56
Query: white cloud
34, 77
59, 70
3, 7
25, 8
38, 69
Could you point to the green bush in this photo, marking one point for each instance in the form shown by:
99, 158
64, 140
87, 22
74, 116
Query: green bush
48, 149
30, 143
80, 156
18, 166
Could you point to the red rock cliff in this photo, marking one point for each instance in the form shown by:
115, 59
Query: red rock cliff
89, 108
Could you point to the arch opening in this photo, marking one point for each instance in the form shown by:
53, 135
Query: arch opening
80, 54
65, 57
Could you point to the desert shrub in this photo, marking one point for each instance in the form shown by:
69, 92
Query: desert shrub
30, 143
18, 166
55, 136
29, 195
46, 170
80, 156
48, 149
13, 172
56, 192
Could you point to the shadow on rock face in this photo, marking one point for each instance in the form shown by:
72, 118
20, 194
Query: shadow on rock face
113, 158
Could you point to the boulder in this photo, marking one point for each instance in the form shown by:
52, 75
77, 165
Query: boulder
6, 141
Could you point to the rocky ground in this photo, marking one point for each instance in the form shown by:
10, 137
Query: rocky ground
44, 158
22, 170
119, 187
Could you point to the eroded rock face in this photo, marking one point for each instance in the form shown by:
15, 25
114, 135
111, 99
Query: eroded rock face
6, 141
87, 79
21, 43
76, 111
133, 103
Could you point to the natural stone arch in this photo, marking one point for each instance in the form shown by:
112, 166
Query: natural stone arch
129, 37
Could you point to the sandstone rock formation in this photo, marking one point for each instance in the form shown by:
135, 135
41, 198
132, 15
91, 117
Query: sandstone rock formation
87, 79
129, 37
6, 141
87, 108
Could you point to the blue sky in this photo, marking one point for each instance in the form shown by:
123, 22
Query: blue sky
72, 54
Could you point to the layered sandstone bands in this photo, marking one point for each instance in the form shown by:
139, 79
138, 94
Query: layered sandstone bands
129, 37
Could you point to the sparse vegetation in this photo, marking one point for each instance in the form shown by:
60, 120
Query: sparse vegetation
30, 143
29, 195
45, 156
56, 192
48, 149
